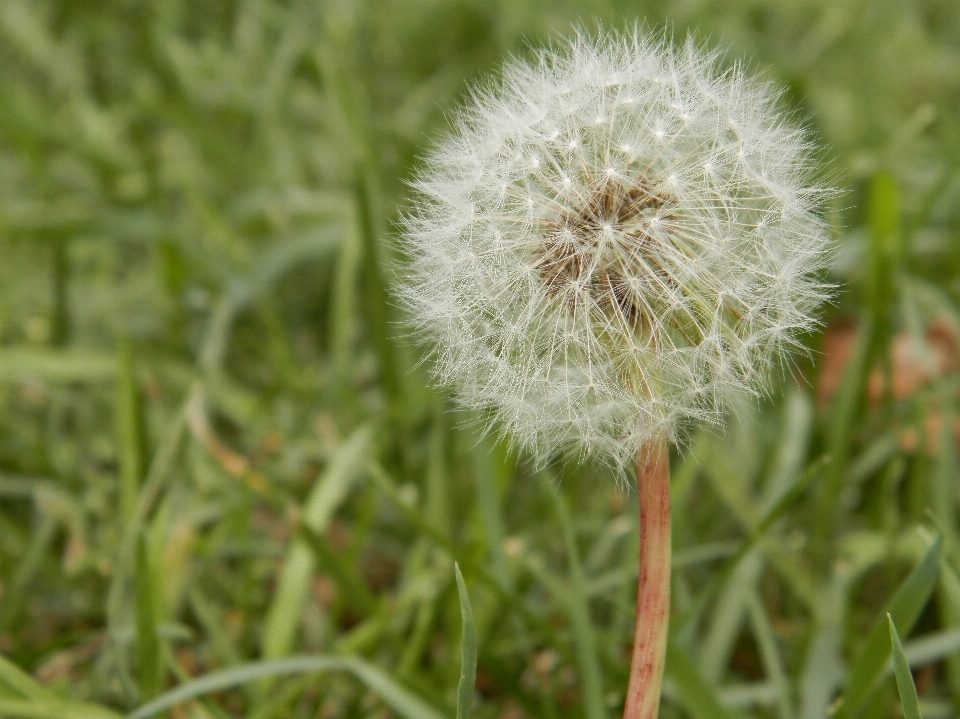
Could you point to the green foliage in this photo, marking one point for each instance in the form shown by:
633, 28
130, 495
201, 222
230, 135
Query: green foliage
131, 439
903, 610
149, 650
468, 652
292, 589
226, 484
908, 690
393, 694
693, 692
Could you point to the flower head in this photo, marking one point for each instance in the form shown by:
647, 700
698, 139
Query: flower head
612, 241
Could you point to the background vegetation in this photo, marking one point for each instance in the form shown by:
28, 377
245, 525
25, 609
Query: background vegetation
216, 451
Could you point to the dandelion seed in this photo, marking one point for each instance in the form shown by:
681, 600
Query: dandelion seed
704, 240
652, 292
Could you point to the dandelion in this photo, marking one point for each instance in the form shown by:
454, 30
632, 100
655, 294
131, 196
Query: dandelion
613, 241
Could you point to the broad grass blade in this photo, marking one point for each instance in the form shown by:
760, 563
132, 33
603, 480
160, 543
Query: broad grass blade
130, 432
905, 685
390, 692
15, 682
52, 709
576, 601
693, 692
904, 609
22, 696
324, 499
18, 364
148, 647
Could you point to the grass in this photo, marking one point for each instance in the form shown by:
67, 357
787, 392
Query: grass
225, 478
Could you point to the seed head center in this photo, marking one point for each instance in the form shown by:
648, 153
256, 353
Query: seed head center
604, 248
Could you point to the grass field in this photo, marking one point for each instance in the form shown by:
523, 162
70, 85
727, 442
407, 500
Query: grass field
218, 452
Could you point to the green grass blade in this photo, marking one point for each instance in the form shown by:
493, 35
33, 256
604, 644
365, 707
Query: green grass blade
786, 498
942, 488
468, 657
882, 288
153, 485
770, 654
904, 609
905, 685
130, 432
402, 701
148, 648
948, 600
727, 616
324, 499
488, 504
437, 504
391, 693
344, 311
13, 680
388, 487
210, 620
822, 673
20, 364
692, 690
52, 709
416, 519
576, 601
60, 321
15, 598
270, 267
933, 647
375, 289
885, 223
356, 592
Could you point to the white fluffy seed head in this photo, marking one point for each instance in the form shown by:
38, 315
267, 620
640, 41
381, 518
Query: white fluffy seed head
613, 241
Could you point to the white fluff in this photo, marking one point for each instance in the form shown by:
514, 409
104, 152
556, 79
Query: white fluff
611, 242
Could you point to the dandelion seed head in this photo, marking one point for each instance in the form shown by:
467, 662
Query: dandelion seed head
655, 254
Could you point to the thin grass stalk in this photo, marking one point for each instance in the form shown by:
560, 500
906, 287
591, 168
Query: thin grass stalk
653, 591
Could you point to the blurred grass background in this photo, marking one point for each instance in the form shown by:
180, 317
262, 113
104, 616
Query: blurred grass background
216, 449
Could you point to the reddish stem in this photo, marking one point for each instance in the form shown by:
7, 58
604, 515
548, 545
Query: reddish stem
653, 592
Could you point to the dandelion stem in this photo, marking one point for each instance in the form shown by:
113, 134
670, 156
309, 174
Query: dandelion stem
653, 592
